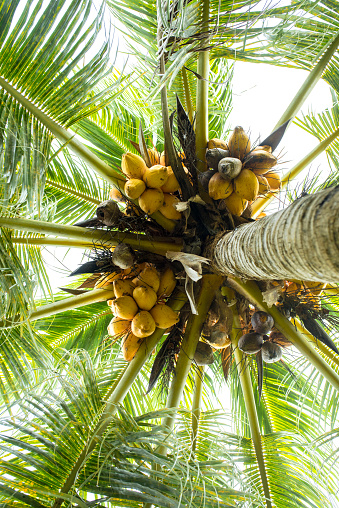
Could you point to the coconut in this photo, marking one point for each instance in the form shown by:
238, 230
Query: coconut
239, 143
218, 337
123, 287
203, 354
123, 256
205, 176
151, 200
279, 338
219, 186
263, 184
271, 352
167, 283
145, 297
118, 326
230, 167
143, 324
124, 307
106, 281
164, 316
154, 156
267, 148
262, 322
156, 176
246, 185
260, 161
236, 204
172, 184
168, 210
130, 346
274, 180
149, 276
108, 212
214, 155
251, 343
133, 165
217, 143
116, 195
134, 188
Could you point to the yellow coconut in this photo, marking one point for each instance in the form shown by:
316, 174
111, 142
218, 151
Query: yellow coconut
239, 143
118, 326
167, 283
172, 184
267, 148
151, 200
116, 195
154, 156
246, 185
143, 324
123, 287
149, 276
273, 181
164, 316
263, 184
124, 307
260, 161
168, 210
156, 176
133, 165
236, 204
106, 281
217, 143
145, 297
219, 186
134, 187
130, 346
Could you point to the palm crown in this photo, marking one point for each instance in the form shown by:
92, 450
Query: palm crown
83, 425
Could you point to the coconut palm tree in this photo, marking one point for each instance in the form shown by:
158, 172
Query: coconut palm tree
80, 424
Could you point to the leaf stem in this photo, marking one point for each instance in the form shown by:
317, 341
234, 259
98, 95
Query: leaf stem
251, 291
311, 80
203, 69
87, 235
210, 283
260, 204
247, 389
196, 405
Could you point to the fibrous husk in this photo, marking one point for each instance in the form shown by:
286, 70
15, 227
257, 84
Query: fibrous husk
145, 297
143, 324
203, 354
164, 316
262, 322
149, 276
230, 167
271, 352
123, 256
239, 143
218, 338
217, 143
108, 213
133, 165
116, 195
260, 161
156, 176
118, 326
246, 185
124, 307
279, 338
123, 288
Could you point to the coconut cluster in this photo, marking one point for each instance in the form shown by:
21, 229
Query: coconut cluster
239, 174
138, 306
153, 186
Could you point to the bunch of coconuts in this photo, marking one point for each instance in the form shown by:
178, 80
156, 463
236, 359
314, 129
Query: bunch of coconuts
237, 174
138, 307
258, 340
152, 186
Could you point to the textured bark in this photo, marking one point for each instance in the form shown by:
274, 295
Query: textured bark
300, 242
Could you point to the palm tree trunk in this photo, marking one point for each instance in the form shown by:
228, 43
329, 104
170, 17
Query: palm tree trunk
300, 243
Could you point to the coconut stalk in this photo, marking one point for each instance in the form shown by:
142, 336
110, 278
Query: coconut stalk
298, 243
203, 69
251, 291
310, 82
247, 390
210, 283
86, 235
196, 405
121, 388
260, 204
